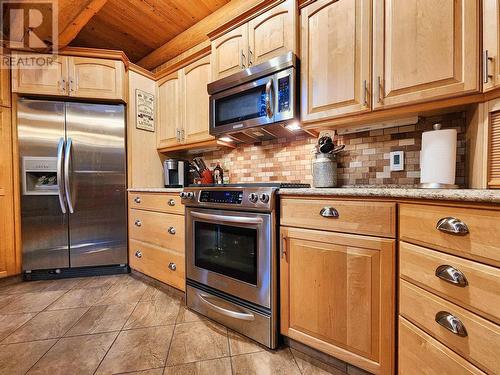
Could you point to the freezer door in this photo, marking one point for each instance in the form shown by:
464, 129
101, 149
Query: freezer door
44, 226
95, 184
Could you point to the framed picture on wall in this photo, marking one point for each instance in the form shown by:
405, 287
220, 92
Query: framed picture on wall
145, 110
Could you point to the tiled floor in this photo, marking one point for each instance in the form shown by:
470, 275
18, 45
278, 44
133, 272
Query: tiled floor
120, 324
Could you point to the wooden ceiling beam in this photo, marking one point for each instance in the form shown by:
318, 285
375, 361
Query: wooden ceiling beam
79, 21
197, 33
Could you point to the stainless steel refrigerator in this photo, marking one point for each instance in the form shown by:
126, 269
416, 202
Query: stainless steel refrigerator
73, 188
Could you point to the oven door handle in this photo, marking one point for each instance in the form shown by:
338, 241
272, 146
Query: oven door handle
223, 311
227, 219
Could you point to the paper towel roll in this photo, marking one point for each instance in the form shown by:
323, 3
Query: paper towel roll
438, 156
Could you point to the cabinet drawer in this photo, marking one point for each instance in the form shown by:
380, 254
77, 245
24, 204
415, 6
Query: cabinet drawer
418, 224
419, 353
165, 230
372, 218
480, 343
156, 262
161, 202
480, 286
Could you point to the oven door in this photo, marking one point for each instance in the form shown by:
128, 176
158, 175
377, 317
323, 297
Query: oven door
231, 252
245, 106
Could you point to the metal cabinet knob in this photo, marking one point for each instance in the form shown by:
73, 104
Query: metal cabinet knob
452, 275
172, 266
452, 225
171, 230
171, 203
138, 254
138, 223
451, 323
137, 199
329, 212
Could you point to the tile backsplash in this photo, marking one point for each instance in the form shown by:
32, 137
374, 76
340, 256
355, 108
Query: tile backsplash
365, 160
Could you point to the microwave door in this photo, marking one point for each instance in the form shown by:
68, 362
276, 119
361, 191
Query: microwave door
242, 107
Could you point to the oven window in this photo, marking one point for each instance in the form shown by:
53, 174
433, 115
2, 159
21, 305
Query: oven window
227, 250
241, 106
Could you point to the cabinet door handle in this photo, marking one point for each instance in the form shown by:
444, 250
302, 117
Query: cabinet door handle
452, 225
379, 89
452, 275
178, 134
183, 135
138, 254
137, 223
63, 84
242, 60
250, 55
171, 230
451, 323
137, 199
486, 60
329, 212
171, 202
283, 247
172, 266
365, 93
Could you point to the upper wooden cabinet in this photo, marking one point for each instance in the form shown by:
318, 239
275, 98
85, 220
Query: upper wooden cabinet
183, 105
270, 34
424, 49
4, 87
337, 295
491, 44
335, 58
79, 77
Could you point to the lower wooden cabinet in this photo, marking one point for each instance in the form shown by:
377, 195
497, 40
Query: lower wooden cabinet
337, 295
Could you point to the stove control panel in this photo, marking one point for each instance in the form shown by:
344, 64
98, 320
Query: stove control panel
221, 196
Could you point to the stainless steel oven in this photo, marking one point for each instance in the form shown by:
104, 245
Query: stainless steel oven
260, 95
231, 268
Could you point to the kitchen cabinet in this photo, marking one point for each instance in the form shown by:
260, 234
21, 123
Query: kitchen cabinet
492, 118
270, 34
491, 44
4, 86
424, 50
337, 295
79, 77
169, 110
335, 58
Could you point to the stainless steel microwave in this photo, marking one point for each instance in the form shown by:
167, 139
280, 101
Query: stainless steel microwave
261, 95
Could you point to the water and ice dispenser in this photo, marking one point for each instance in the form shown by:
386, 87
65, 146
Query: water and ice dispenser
39, 175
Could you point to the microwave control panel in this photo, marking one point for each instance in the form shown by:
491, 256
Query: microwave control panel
284, 94
226, 197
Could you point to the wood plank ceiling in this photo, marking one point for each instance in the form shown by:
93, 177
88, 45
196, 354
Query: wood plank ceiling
138, 27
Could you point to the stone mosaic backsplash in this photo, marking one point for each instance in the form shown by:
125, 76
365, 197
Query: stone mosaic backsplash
365, 160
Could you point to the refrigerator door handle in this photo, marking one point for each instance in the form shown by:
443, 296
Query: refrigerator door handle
60, 186
67, 188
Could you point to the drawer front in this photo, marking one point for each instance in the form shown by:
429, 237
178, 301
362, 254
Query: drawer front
473, 285
358, 217
161, 202
161, 264
480, 339
165, 230
419, 353
482, 242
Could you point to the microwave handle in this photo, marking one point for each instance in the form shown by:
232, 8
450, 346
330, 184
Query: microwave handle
269, 107
227, 219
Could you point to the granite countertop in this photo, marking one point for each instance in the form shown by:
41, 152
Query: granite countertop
155, 190
469, 195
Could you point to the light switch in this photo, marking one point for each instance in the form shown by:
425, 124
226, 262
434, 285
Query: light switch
397, 160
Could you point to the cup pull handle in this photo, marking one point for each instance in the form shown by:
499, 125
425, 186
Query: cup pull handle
451, 323
451, 275
452, 225
329, 212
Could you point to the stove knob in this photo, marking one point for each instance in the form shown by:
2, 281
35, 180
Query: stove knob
190, 195
183, 195
264, 198
253, 198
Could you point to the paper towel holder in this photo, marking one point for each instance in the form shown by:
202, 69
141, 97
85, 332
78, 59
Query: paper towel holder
437, 185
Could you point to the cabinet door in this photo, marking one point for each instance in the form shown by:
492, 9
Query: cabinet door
96, 78
196, 114
337, 295
229, 52
169, 110
44, 80
492, 116
272, 33
491, 44
7, 249
335, 56
4, 86
424, 49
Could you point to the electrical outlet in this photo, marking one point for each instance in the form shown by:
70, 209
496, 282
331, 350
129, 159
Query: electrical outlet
397, 160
